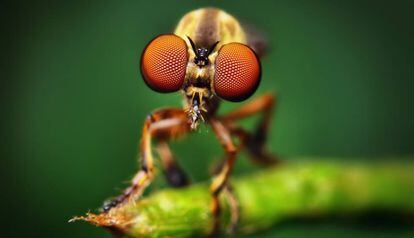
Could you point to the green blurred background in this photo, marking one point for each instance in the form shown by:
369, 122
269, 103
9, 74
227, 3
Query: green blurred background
73, 101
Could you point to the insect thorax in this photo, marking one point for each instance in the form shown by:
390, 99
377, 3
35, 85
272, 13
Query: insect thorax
206, 26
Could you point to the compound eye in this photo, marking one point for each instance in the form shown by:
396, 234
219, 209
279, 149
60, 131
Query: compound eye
164, 63
237, 73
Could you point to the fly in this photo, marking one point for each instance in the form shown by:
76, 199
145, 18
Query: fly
209, 59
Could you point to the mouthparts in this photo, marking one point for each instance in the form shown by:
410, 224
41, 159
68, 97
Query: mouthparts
195, 112
196, 106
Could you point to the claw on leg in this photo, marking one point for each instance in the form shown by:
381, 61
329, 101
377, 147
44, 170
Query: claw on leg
140, 181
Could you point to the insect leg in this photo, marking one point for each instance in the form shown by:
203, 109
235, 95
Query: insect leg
174, 174
234, 207
220, 181
254, 142
165, 123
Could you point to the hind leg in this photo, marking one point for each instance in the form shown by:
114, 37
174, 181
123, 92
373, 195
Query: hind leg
253, 142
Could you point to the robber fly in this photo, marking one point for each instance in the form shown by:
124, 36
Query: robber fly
209, 59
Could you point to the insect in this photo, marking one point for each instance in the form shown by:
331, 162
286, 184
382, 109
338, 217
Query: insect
209, 59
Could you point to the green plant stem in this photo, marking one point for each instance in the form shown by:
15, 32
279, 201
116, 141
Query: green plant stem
295, 189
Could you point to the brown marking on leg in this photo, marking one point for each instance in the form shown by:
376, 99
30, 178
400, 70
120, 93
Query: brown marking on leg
161, 124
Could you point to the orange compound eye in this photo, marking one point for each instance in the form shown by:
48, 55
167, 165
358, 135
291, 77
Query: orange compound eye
164, 63
237, 73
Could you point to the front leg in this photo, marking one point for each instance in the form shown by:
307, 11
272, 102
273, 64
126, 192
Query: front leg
161, 124
221, 179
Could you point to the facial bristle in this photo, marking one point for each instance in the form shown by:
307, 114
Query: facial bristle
237, 73
164, 63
